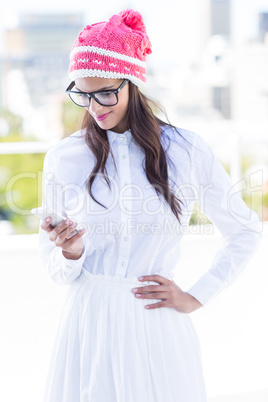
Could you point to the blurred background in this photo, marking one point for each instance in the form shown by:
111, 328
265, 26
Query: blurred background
209, 70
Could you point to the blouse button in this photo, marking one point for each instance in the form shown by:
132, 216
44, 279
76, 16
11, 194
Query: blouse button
122, 263
123, 156
125, 238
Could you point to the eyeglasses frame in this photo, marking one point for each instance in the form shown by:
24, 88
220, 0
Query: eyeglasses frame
92, 94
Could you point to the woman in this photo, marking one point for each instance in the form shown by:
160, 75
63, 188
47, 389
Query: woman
131, 181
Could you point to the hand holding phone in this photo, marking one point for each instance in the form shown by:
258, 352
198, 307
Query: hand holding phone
57, 218
42, 213
60, 233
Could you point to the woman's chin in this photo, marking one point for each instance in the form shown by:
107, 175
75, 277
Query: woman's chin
111, 127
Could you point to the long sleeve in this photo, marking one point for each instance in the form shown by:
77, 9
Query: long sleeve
239, 225
60, 269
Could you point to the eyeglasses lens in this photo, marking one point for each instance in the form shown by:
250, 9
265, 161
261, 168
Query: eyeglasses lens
80, 99
105, 98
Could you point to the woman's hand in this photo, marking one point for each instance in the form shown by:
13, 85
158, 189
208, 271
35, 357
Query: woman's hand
72, 248
171, 294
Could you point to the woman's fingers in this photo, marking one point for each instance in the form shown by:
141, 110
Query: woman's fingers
59, 231
45, 224
72, 245
153, 295
170, 294
68, 243
63, 235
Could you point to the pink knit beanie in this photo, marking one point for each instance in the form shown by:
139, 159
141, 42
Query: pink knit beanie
113, 49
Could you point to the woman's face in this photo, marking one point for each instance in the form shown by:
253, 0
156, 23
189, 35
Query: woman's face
117, 115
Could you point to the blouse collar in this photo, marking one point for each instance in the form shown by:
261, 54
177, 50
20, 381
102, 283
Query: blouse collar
119, 137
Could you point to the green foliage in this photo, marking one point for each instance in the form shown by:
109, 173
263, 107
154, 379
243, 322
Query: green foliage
12, 138
21, 189
265, 200
246, 162
20, 179
72, 117
14, 121
256, 201
197, 217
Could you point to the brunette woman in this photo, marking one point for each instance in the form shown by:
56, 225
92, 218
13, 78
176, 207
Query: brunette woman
130, 181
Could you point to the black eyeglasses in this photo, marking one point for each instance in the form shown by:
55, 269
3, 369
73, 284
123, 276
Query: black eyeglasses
107, 97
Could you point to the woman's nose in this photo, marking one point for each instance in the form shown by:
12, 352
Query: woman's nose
94, 107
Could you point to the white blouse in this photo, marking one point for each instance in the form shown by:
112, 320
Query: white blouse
138, 234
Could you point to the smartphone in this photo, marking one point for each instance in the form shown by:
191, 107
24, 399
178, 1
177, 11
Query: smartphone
57, 218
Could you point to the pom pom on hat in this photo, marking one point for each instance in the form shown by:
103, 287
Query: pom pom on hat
133, 19
113, 49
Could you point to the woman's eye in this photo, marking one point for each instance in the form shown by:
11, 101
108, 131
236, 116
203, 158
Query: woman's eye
105, 94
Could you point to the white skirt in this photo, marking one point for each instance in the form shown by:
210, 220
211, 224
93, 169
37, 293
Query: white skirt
109, 348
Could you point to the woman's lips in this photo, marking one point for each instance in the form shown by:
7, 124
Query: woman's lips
103, 116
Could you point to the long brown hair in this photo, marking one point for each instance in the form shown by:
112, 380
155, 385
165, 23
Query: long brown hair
145, 128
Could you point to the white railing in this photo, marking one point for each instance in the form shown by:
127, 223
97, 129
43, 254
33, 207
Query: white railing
25, 147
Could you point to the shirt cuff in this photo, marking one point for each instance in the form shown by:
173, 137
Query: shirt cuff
69, 264
206, 288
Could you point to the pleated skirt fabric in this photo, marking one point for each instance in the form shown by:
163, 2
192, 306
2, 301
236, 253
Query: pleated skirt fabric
109, 348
